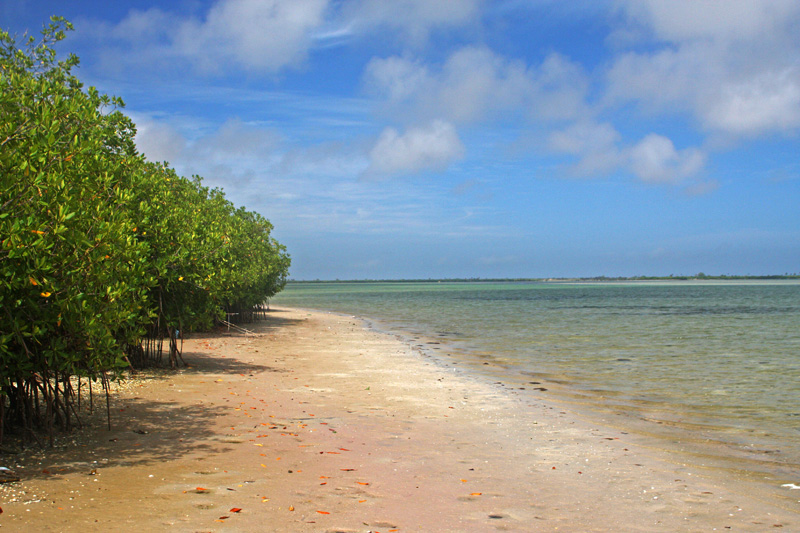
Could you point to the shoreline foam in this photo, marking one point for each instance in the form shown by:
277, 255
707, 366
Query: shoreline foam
319, 423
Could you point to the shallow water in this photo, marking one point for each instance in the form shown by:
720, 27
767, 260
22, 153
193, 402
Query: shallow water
710, 368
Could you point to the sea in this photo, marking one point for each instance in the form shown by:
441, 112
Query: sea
707, 371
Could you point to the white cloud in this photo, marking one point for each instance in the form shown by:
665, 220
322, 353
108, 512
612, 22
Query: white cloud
731, 70
259, 35
262, 36
414, 20
654, 159
768, 102
142, 25
584, 137
266, 36
475, 84
560, 89
396, 79
595, 146
299, 187
159, 141
722, 99
432, 147
730, 65
728, 20
476, 81
663, 81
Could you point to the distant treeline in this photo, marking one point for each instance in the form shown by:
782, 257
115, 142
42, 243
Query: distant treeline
104, 256
558, 280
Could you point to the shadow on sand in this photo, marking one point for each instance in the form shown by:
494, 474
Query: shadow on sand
147, 431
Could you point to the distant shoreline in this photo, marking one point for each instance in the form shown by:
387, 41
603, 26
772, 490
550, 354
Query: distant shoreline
599, 279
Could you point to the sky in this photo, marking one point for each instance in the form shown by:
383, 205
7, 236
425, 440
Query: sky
470, 138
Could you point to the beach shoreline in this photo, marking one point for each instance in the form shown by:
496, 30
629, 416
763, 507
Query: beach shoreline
320, 422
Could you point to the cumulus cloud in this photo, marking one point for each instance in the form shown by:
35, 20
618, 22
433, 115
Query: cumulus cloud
148, 25
559, 90
729, 70
475, 84
159, 141
598, 151
594, 145
259, 35
433, 147
476, 81
682, 20
585, 137
654, 159
730, 65
396, 79
662, 81
265, 36
767, 102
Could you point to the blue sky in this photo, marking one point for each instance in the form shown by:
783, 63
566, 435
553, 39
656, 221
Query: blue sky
470, 138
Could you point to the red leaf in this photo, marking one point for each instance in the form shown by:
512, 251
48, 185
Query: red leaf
235, 510
323, 512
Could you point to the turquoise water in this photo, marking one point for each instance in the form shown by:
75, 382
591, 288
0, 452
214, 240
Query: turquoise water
710, 368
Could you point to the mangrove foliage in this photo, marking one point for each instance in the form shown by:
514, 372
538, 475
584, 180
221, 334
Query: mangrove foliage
105, 257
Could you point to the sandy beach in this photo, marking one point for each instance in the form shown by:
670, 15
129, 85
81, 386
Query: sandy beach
317, 422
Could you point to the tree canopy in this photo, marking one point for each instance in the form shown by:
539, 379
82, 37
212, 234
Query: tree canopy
101, 249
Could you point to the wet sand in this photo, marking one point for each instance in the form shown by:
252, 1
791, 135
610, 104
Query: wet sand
318, 423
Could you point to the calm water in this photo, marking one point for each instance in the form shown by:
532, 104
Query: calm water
710, 368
